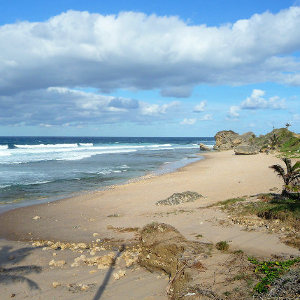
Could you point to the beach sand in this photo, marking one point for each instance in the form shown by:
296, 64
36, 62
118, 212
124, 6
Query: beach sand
117, 212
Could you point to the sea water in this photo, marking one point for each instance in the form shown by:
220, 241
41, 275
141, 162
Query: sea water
40, 169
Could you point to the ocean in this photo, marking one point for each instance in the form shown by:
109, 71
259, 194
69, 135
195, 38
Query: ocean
41, 169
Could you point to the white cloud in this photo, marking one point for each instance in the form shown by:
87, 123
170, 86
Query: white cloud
188, 121
207, 117
69, 107
257, 101
155, 109
134, 50
233, 112
200, 107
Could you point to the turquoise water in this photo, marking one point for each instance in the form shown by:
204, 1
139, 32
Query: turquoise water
39, 169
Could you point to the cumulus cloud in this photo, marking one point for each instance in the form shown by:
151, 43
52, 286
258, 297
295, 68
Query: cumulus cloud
207, 117
134, 50
258, 101
233, 112
187, 121
155, 109
200, 107
69, 107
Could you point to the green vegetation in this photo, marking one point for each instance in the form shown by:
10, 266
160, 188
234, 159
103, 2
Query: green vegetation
282, 140
271, 270
222, 246
277, 211
228, 202
290, 177
283, 209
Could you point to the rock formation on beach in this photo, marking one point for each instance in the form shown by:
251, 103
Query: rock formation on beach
228, 139
204, 147
278, 139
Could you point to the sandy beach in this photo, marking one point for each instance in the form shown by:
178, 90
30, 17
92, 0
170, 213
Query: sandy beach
102, 215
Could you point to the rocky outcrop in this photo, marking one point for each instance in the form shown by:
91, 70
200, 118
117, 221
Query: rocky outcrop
204, 147
246, 150
228, 139
178, 198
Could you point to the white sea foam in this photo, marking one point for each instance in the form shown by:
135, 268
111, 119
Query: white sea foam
3, 147
68, 152
46, 146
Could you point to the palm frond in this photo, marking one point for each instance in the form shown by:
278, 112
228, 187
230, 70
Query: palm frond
288, 164
296, 167
279, 170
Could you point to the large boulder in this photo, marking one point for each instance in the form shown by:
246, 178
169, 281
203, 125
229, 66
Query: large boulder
245, 150
224, 139
204, 147
228, 139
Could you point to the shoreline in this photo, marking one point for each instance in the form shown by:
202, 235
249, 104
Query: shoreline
148, 174
221, 175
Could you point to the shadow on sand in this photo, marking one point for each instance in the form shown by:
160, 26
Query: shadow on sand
108, 275
15, 274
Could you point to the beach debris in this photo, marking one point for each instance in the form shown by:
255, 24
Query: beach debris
80, 287
36, 218
122, 229
102, 262
57, 263
114, 215
178, 198
60, 245
119, 274
55, 284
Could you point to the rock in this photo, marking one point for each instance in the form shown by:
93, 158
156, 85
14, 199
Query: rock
179, 198
84, 287
119, 274
36, 218
204, 147
224, 139
55, 284
245, 150
228, 139
58, 263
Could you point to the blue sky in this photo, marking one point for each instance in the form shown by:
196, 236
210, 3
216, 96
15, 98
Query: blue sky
148, 68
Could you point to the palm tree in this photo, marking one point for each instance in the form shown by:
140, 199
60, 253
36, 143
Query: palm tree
291, 176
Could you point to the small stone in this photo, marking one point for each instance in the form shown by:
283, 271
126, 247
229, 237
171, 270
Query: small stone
95, 234
119, 274
58, 263
84, 287
36, 218
54, 254
55, 284
93, 271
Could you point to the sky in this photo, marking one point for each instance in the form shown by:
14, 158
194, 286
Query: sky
148, 68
